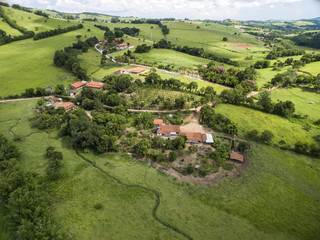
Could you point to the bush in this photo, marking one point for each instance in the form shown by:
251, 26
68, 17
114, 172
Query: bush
173, 156
228, 166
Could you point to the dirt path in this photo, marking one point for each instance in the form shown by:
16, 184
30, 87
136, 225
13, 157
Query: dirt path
19, 99
257, 92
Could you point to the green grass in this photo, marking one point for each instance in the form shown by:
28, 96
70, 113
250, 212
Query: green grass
301, 99
9, 30
248, 119
277, 196
36, 23
313, 68
29, 63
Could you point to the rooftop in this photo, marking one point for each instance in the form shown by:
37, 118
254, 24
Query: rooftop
167, 129
158, 122
95, 84
67, 105
195, 136
77, 84
236, 156
138, 70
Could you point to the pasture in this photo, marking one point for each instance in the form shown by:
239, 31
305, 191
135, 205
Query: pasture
277, 196
312, 68
8, 29
248, 119
301, 98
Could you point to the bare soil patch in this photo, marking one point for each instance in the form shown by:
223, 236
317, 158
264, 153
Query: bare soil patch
241, 45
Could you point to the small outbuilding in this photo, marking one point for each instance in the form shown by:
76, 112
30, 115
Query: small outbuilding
236, 157
77, 85
68, 106
95, 85
120, 71
138, 70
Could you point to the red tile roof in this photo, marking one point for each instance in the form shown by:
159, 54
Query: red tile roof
158, 122
138, 70
236, 156
167, 129
122, 45
67, 105
195, 136
95, 84
77, 85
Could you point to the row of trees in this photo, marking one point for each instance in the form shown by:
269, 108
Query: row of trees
25, 196
142, 48
199, 52
129, 31
281, 52
57, 31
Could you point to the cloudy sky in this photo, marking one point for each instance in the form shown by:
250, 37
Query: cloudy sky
193, 9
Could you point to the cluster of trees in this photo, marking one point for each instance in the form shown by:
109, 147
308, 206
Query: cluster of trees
199, 52
308, 39
142, 48
164, 28
55, 162
4, 4
305, 148
24, 194
281, 52
284, 109
291, 78
261, 64
103, 28
230, 77
129, 31
68, 57
265, 137
40, 13
217, 121
55, 32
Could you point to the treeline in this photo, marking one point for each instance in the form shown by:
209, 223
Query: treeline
25, 196
57, 31
307, 39
281, 52
40, 13
194, 51
129, 31
142, 48
68, 57
164, 28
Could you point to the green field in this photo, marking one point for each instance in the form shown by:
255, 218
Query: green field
9, 30
313, 68
277, 197
248, 119
301, 99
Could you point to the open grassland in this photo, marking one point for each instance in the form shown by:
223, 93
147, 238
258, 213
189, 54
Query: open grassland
8, 29
248, 119
29, 63
36, 23
265, 75
301, 99
277, 196
313, 68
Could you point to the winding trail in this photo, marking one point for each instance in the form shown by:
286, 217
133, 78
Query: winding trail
155, 193
141, 188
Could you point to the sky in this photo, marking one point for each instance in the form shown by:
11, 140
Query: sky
192, 9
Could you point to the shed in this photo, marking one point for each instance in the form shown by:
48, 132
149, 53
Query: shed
236, 156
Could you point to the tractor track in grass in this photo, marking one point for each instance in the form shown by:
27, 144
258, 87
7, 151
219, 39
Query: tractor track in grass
141, 188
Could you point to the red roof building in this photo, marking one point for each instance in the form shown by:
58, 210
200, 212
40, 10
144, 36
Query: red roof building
168, 130
95, 85
68, 106
122, 46
138, 70
158, 122
236, 156
77, 85
195, 137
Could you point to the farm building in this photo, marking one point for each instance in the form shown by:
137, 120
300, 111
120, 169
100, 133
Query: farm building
158, 122
197, 137
138, 70
168, 130
95, 85
68, 106
77, 85
122, 46
236, 156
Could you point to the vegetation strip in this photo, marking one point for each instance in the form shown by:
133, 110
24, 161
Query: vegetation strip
156, 194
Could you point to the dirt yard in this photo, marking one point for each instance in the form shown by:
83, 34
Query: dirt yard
191, 124
241, 45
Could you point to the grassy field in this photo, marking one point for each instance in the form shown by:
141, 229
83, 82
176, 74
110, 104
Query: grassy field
248, 119
313, 68
301, 99
277, 196
9, 30
36, 23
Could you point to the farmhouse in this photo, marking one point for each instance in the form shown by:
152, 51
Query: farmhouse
120, 71
158, 122
138, 70
236, 156
197, 137
168, 130
77, 85
122, 46
68, 106
95, 85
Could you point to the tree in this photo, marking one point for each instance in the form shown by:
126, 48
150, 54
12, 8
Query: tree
173, 156
265, 102
122, 83
60, 90
142, 147
113, 100
224, 39
266, 136
192, 86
